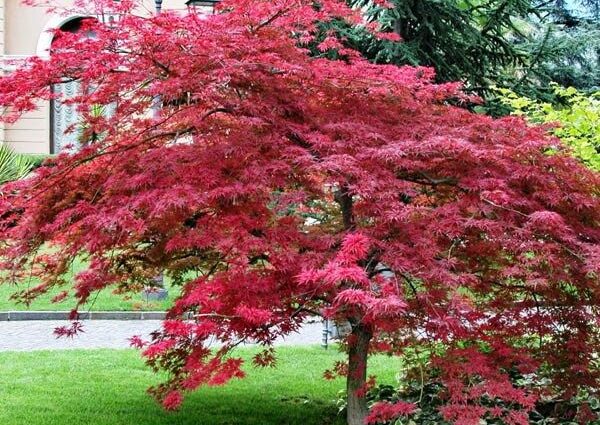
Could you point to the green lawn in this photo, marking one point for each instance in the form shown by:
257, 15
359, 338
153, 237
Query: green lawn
104, 301
107, 387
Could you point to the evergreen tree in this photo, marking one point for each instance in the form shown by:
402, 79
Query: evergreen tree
521, 44
572, 50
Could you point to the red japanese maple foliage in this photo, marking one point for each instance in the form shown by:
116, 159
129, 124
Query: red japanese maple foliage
276, 185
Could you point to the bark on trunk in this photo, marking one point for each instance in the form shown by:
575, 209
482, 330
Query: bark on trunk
357, 375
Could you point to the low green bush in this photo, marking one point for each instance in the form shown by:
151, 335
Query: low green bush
430, 396
38, 159
13, 165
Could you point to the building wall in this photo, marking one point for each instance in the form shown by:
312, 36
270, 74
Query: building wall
23, 32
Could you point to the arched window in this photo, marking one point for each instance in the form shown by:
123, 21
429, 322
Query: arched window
64, 115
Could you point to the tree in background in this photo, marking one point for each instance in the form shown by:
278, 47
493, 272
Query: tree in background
275, 186
518, 44
462, 40
570, 36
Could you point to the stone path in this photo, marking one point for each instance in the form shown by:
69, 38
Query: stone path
38, 335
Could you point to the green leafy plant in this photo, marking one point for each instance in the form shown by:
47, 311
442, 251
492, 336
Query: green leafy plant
430, 396
87, 133
13, 165
577, 116
39, 159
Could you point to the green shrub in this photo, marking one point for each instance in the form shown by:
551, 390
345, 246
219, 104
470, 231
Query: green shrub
430, 396
578, 117
38, 159
13, 166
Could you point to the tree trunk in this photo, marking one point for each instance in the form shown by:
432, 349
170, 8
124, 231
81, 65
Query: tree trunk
357, 375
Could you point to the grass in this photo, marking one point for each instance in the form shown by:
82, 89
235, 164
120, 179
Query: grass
107, 387
104, 301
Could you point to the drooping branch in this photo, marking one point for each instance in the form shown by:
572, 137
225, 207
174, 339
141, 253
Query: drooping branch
303, 143
425, 179
270, 20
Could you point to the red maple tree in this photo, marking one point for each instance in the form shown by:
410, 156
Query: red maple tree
276, 185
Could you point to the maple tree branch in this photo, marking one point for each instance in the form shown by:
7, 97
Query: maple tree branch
269, 20
487, 201
122, 149
371, 262
305, 310
162, 66
300, 141
375, 272
424, 179
214, 315
346, 203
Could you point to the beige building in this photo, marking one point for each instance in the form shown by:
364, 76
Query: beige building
26, 31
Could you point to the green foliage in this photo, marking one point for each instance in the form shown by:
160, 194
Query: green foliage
571, 54
13, 166
519, 44
86, 133
578, 117
38, 159
463, 40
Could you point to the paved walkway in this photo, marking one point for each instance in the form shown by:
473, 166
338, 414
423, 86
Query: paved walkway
38, 335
